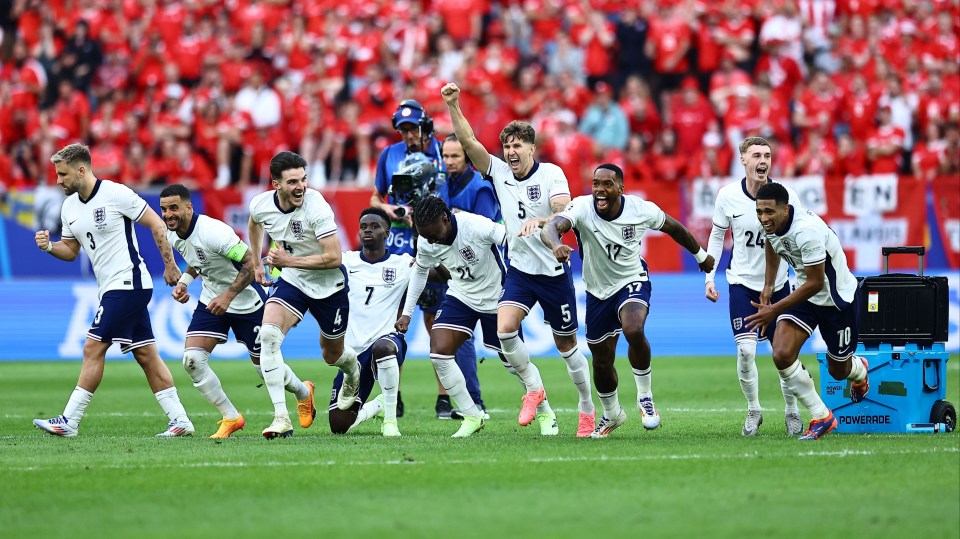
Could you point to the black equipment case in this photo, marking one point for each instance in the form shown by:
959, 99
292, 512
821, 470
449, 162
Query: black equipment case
898, 308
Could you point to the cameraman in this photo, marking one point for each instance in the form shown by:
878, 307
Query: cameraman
416, 130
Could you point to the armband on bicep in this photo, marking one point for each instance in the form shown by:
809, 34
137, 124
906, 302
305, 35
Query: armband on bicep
237, 251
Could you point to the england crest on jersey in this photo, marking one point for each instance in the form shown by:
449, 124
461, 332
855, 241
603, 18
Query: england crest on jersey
389, 275
202, 256
297, 228
533, 192
629, 232
100, 217
468, 255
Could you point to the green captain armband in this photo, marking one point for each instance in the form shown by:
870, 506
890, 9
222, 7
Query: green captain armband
237, 251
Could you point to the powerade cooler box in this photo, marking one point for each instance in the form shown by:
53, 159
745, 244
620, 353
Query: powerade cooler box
903, 325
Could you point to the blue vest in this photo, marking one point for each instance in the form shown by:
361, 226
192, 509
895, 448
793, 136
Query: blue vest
400, 240
470, 192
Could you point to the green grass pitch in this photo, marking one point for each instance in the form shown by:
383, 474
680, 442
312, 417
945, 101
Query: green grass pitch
694, 477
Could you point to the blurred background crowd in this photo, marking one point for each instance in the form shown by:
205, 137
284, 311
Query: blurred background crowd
204, 92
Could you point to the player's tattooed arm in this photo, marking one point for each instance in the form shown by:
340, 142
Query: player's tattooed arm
150, 219
219, 305
550, 237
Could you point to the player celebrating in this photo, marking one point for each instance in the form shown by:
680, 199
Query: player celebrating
610, 225
735, 210
529, 193
98, 216
229, 300
826, 295
378, 284
311, 279
467, 246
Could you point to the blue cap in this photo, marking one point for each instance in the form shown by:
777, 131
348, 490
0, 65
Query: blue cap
407, 115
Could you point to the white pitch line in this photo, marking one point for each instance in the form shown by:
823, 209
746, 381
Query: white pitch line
480, 460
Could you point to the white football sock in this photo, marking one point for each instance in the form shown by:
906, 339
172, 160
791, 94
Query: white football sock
800, 382
610, 404
76, 405
857, 370
511, 370
370, 409
579, 372
348, 364
747, 372
789, 399
271, 367
451, 378
388, 376
170, 403
196, 363
293, 384
642, 377
516, 353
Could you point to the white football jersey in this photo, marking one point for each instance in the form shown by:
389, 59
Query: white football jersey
526, 198
205, 249
297, 232
377, 288
736, 210
476, 269
808, 241
611, 249
103, 224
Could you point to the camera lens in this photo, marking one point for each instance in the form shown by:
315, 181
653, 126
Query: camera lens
400, 212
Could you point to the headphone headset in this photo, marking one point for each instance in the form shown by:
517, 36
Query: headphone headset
426, 122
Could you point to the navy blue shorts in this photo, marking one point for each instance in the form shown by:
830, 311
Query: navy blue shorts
457, 316
740, 309
368, 367
331, 312
556, 296
603, 315
246, 327
123, 318
840, 329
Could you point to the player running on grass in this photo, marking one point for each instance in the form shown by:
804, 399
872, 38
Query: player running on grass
467, 246
609, 226
529, 193
229, 300
311, 279
378, 285
98, 216
735, 210
826, 295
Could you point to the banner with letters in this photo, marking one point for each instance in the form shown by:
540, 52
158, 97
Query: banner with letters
866, 212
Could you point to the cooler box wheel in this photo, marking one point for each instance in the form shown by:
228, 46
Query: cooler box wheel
944, 412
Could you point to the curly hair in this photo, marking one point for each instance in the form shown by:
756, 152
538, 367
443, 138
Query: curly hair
429, 210
522, 131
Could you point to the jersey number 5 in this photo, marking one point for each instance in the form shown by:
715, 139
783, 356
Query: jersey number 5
522, 213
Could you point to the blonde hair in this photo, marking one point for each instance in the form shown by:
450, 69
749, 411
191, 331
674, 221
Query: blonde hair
72, 154
753, 141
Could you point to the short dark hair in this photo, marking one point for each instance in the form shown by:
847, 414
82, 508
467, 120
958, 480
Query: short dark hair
617, 171
285, 161
379, 213
175, 190
520, 130
429, 210
773, 191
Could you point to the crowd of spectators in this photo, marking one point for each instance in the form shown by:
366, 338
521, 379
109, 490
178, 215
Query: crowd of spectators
204, 92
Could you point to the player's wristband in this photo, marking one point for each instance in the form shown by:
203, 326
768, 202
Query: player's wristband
186, 279
49, 247
700, 256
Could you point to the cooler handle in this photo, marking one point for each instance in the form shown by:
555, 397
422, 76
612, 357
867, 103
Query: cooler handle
910, 250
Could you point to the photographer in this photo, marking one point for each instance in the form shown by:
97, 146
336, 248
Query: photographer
407, 171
